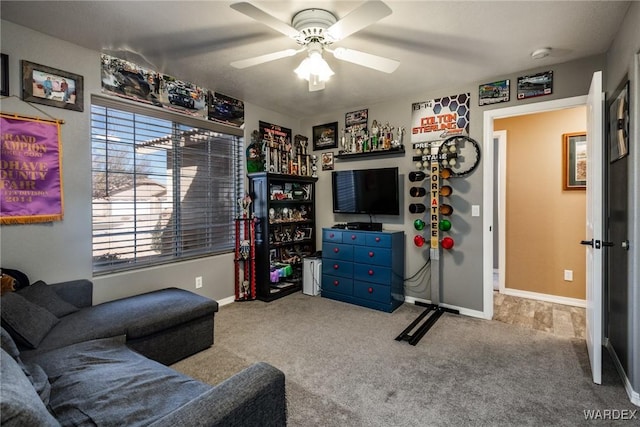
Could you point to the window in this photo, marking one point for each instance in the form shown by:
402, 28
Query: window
165, 187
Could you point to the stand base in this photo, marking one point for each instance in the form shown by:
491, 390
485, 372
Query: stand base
436, 312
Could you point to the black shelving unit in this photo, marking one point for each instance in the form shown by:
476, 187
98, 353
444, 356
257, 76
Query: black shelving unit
284, 206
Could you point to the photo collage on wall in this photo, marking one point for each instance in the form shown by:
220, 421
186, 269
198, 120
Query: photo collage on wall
128, 80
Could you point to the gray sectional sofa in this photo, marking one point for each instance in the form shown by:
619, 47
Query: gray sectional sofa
68, 362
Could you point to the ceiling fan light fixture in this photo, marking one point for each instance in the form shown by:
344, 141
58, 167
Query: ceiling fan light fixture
314, 65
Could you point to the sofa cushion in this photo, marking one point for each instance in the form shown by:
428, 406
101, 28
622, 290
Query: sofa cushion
136, 316
27, 323
39, 380
42, 294
19, 402
103, 382
8, 345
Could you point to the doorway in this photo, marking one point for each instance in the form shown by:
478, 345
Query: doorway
539, 217
489, 179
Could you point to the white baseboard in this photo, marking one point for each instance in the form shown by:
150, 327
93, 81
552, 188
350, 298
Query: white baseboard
225, 301
545, 297
634, 396
462, 310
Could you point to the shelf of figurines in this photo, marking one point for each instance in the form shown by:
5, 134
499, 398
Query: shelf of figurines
393, 151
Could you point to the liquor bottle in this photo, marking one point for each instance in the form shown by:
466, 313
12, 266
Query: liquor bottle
417, 176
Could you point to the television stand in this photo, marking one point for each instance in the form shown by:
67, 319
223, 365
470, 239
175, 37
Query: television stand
365, 226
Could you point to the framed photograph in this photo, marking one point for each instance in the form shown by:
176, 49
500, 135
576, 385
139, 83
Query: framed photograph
327, 161
574, 161
619, 124
53, 87
4, 77
535, 85
492, 93
356, 121
325, 136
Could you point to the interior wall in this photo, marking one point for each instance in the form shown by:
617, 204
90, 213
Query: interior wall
544, 222
461, 275
61, 250
36, 249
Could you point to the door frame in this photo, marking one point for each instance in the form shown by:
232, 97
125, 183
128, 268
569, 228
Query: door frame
488, 181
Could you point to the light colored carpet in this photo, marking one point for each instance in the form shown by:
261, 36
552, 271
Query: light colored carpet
344, 368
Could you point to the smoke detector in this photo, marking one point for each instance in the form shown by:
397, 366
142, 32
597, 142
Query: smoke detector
541, 53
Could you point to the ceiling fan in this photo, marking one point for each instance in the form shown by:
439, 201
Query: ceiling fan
315, 30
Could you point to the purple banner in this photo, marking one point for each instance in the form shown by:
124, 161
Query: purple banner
30, 171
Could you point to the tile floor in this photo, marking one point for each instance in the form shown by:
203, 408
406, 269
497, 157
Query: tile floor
558, 319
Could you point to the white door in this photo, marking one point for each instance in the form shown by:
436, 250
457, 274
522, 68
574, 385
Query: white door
593, 240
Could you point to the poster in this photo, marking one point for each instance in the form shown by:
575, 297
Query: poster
30, 171
440, 118
127, 80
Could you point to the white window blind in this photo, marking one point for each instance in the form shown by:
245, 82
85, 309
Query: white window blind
165, 187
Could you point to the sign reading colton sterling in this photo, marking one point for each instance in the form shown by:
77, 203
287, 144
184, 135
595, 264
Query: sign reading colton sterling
440, 118
30, 171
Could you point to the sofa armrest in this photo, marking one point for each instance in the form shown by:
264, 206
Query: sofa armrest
252, 397
76, 292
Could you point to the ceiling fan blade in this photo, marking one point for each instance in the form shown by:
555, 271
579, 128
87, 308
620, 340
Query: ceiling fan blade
263, 17
257, 60
357, 57
368, 13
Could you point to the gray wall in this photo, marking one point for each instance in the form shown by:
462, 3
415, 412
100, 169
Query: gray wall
461, 268
62, 250
620, 62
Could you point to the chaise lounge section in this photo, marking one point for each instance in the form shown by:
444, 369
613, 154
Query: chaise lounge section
68, 362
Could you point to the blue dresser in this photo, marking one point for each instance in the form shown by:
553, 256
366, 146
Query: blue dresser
363, 267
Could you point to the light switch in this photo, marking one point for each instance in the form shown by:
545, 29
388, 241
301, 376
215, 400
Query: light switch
475, 210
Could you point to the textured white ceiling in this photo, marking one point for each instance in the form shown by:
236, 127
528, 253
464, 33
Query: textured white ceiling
439, 43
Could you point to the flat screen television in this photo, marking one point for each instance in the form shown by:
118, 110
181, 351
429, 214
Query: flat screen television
366, 191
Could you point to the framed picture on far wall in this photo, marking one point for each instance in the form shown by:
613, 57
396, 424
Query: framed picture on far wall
574, 161
492, 93
535, 85
53, 87
618, 134
325, 136
356, 121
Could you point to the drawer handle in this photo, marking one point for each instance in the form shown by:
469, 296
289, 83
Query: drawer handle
370, 254
353, 237
336, 283
370, 290
370, 272
335, 266
331, 235
336, 250
377, 239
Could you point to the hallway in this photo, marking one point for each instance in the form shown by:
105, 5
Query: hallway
558, 319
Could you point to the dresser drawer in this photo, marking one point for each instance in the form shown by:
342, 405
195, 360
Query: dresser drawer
332, 250
337, 267
372, 292
354, 237
371, 273
332, 236
371, 255
380, 240
338, 284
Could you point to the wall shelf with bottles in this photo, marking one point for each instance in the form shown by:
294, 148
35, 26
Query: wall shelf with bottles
391, 152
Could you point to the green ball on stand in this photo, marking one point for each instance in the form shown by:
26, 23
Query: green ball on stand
445, 225
419, 224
